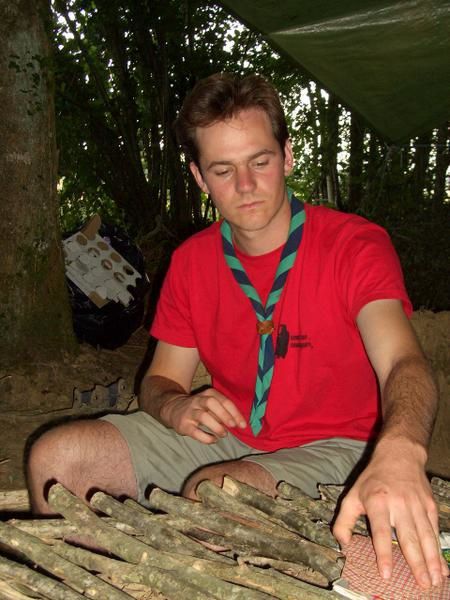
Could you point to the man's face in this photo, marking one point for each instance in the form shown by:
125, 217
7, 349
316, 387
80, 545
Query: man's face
243, 168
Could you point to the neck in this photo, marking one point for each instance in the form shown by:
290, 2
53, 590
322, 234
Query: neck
270, 237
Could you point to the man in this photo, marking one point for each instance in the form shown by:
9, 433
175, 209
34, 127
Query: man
307, 301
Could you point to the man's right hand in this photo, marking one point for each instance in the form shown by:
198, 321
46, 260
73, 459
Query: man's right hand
190, 414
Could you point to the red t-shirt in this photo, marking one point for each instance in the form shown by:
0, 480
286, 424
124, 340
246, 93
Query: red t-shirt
324, 386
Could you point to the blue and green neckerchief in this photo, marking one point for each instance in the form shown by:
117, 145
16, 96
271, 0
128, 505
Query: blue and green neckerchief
264, 314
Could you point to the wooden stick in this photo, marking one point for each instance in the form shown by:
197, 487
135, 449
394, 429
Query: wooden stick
133, 504
293, 569
441, 492
441, 486
37, 582
304, 590
91, 560
156, 533
88, 523
294, 520
132, 550
167, 582
47, 529
14, 501
8, 592
189, 529
210, 538
323, 510
331, 492
172, 584
187, 570
303, 551
284, 587
215, 497
177, 586
221, 588
74, 576
314, 508
54, 529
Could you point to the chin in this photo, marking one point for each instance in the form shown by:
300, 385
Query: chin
256, 225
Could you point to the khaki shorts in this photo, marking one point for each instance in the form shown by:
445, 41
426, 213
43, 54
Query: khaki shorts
165, 459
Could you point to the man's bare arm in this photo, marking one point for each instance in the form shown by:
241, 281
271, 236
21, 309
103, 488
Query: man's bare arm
165, 395
393, 490
170, 375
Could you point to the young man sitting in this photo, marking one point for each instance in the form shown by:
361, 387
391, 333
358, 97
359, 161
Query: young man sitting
300, 315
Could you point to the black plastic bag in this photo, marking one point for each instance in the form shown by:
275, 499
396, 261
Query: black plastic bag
112, 325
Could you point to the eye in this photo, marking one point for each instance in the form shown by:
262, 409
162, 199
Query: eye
261, 163
221, 172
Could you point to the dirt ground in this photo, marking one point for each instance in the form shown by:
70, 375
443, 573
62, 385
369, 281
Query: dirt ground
37, 395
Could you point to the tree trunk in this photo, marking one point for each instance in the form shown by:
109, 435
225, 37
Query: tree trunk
421, 162
331, 151
373, 177
395, 182
35, 317
442, 163
355, 187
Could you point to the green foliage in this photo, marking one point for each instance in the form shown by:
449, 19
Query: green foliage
422, 240
122, 71
419, 232
77, 207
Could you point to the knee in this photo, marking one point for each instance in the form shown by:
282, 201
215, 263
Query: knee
214, 473
247, 472
45, 451
57, 450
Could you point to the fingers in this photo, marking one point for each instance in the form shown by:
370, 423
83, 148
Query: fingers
208, 421
223, 408
418, 539
202, 436
351, 509
416, 524
208, 410
381, 531
417, 534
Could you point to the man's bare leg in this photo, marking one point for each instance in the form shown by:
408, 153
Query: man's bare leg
83, 456
241, 470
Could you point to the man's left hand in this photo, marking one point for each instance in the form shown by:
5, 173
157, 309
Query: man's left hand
394, 492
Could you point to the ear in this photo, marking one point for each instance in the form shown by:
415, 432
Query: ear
198, 177
288, 158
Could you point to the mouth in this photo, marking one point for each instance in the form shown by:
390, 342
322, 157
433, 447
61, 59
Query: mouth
250, 205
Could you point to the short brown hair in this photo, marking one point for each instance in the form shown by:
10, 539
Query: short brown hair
221, 96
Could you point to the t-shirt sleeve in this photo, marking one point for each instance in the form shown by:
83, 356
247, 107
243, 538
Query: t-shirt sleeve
369, 269
173, 322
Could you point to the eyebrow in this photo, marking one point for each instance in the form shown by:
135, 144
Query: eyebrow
222, 163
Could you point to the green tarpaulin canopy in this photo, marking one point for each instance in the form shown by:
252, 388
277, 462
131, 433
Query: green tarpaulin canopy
390, 61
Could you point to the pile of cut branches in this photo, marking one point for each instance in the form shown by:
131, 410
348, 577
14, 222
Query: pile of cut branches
237, 543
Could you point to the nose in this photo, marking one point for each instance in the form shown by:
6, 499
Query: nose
245, 180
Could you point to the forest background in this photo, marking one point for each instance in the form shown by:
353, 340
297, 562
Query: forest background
110, 76
122, 71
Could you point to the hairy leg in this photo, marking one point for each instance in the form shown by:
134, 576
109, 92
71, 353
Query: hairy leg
245, 471
83, 456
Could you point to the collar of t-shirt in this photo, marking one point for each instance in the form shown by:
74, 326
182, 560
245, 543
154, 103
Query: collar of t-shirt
261, 270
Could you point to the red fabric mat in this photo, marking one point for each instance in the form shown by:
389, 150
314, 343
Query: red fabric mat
361, 572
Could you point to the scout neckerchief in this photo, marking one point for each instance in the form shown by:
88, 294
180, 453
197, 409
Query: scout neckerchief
264, 324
